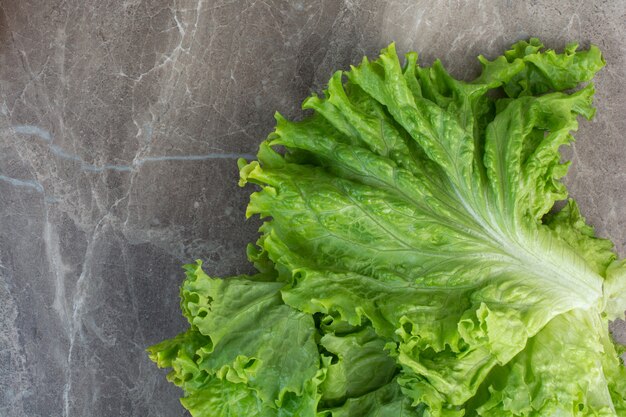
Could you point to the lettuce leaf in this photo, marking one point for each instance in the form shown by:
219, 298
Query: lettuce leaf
412, 261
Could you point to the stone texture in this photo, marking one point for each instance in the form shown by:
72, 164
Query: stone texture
120, 124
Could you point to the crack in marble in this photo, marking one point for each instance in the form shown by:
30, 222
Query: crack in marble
195, 157
23, 183
17, 389
78, 300
33, 130
86, 166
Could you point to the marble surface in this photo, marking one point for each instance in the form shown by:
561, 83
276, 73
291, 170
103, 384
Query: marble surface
120, 124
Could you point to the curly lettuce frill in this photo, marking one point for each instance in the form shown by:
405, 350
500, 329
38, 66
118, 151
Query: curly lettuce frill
412, 261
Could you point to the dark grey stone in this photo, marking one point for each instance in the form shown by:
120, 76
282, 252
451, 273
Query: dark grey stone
120, 126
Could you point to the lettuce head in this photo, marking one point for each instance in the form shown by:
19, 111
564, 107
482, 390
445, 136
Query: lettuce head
418, 257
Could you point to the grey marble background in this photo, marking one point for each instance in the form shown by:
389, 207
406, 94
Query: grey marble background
120, 124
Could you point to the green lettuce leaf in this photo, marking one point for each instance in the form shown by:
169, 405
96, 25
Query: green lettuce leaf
569, 368
386, 401
411, 260
244, 343
615, 290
